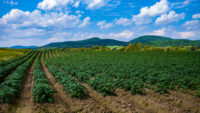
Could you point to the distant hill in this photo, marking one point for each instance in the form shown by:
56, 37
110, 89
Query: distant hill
23, 47
164, 41
151, 40
86, 43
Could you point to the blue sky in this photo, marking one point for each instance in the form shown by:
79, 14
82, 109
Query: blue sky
39, 22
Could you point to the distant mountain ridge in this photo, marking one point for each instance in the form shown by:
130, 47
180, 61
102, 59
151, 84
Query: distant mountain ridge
23, 47
164, 41
151, 40
86, 43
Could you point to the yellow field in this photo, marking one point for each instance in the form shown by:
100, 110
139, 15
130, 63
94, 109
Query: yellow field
7, 54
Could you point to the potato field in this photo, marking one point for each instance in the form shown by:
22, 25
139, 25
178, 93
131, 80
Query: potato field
89, 81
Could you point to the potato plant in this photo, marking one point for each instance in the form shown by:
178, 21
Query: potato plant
69, 84
133, 71
5, 70
42, 91
10, 88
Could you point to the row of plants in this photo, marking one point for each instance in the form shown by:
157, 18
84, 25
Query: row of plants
42, 91
133, 71
69, 84
10, 88
5, 70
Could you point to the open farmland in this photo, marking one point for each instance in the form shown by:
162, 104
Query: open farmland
68, 81
7, 54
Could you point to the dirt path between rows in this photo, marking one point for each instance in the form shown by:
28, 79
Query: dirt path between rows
57, 53
114, 103
87, 105
24, 104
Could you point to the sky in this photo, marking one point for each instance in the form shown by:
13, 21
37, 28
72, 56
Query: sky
39, 22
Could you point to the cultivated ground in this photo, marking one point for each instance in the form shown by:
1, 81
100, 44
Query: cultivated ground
122, 102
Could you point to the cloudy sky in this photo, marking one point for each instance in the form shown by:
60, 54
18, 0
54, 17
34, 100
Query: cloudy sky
39, 22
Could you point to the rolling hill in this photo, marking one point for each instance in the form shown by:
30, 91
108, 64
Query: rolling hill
23, 47
86, 43
151, 40
164, 41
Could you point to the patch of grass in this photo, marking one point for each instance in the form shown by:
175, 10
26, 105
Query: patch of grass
7, 53
114, 47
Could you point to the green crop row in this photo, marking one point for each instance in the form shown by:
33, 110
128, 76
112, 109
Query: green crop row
10, 88
42, 92
69, 84
105, 71
5, 70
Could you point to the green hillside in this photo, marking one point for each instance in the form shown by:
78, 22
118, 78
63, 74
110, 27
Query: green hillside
151, 40
86, 43
164, 41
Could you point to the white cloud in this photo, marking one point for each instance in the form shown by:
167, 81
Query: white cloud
169, 18
127, 34
196, 16
85, 22
123, 21
193, 24
51, 4
181, 4
157, 9
104, 25
94, 4
186, 34
160, 32
146, 12
17, 19
141, 20
11, 2
76, 4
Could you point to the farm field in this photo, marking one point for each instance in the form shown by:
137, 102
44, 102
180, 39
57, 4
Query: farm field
7, 54
64, 81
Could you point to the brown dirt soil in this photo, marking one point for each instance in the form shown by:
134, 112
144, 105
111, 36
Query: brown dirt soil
4, 108
50, 55
49, 108
87, 105
151, 105
57, 53
53, 53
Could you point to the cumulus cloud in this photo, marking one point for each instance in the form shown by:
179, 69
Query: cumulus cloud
196, 16
51, 4
104, 25
94, 4
85, 22
193, 24
157, 9
146, 12
123, 21
127, 34
160, 32
169, 18
17, 19
186, 34
76, 4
